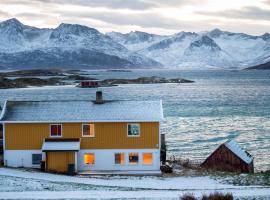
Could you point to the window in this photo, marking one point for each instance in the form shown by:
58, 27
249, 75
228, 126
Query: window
133, 130
133, 158
119, 158
88, 130
89, 158
147, 158
36, 159
56, 130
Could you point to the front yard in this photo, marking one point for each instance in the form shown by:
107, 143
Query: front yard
30, 184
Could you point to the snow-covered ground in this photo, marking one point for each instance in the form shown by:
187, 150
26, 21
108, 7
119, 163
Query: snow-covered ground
23, 184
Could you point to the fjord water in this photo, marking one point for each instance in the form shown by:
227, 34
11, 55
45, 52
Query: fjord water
199, 116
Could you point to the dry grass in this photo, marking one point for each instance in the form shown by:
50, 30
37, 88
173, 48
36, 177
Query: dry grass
218, 196
187, 197
213, 196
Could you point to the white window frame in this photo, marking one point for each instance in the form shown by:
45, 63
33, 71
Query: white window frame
152, 158
94, 159
124, 158
56, 136
90, 130
132, 164
139, 130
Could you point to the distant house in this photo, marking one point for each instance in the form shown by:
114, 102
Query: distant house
99, 135
230, 157
89, 84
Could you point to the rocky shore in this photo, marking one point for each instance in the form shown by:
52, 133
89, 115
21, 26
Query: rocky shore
39, 78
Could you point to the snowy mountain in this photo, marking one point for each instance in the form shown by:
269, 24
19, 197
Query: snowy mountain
214, 49
68, 45
136, 40
77, 46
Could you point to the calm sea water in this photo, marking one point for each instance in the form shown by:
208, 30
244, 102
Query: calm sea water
220, 105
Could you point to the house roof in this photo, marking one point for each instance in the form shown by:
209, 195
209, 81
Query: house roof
237, 150
81, 111
61, 145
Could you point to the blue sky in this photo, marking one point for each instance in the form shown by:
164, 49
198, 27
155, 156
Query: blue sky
155, 16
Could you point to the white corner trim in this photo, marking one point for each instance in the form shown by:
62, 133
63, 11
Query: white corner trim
162, 113
3, 110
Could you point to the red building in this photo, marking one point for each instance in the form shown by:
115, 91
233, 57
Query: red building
230, 157
89, 84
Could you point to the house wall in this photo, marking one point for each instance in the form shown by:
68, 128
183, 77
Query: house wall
30, 136
224, 159
104, 160
20, 158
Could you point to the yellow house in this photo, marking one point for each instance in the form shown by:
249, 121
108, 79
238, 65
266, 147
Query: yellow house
98, 135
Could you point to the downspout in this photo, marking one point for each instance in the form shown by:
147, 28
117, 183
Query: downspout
4, 132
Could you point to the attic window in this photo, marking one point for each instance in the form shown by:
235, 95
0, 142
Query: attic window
88, 130
56, 130
133, 130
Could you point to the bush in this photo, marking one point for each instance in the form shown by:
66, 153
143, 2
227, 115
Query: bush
218, 196
187, 197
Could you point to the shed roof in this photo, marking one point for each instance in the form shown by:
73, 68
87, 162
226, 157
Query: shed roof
237, 150
82, 111
61, 145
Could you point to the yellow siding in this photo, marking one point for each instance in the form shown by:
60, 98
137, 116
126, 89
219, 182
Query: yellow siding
59, 161
107, 136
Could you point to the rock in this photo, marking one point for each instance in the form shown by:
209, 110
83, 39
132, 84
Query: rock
166, 169
145, 80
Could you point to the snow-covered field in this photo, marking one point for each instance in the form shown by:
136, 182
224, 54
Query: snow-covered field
25, 184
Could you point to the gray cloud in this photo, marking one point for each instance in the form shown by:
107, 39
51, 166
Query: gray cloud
253, 13
111, 4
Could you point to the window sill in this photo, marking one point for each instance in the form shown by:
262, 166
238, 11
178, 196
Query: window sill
88, 136
133, 135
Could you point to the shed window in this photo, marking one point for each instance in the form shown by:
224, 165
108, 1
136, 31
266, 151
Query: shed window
56, 130
147, 158
133, 158
89, 158
36, 159
133, 129
119, 158
88, 130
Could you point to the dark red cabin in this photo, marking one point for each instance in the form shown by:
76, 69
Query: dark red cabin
89, 84
230, 157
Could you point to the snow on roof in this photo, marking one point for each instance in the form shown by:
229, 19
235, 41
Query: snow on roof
82, 111
237, 150
61, 146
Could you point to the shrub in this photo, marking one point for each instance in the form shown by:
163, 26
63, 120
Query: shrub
218, 196
187, 197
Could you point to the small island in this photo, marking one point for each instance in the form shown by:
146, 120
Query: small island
54, 77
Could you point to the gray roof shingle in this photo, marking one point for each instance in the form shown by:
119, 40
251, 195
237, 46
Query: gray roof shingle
82, 111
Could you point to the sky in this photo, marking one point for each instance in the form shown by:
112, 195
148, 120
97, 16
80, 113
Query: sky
153, 16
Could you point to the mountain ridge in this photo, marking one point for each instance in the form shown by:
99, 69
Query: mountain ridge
79, 46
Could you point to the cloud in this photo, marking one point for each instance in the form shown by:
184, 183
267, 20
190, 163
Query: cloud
251, 13
4, 14
158, 16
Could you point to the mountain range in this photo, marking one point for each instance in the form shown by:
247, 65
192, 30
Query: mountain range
77, 46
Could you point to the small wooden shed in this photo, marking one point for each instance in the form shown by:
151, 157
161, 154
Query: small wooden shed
230, 157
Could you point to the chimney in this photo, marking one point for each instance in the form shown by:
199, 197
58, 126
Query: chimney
99, 98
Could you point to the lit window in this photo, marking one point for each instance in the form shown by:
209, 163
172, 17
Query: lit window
89, 159
133, 158
88, 130
119, 158
56, 130
147, 158
133, 129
